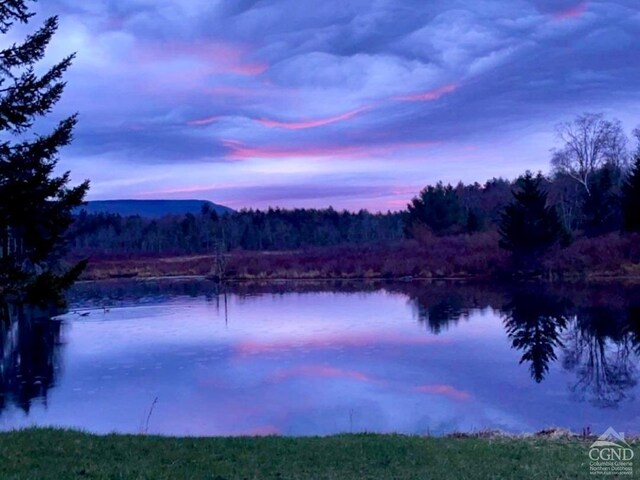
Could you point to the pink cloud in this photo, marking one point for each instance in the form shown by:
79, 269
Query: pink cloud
212, 57
239, 151
203, 121
397, 203
310, 123
446, 390
572, 12
232, 91
178, 191
430, 95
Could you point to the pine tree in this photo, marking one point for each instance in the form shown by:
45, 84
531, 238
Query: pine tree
475, 222
35, 205
631, 198
528, 227
437, 208
601, 209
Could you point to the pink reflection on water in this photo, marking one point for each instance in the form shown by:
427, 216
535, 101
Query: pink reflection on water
333, 341
323, 371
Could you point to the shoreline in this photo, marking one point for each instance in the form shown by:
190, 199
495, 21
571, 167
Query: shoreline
476, 258
549, 433
302, 278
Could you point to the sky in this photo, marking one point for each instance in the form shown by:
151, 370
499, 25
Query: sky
349, 103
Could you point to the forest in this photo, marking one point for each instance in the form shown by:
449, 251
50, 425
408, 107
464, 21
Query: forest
591, 192
273, 229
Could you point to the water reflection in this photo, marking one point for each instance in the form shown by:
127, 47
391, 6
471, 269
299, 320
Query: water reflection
311, 354
598, 343
30, 356
602, 350
595, 331
438, 315
440, 306
534, 323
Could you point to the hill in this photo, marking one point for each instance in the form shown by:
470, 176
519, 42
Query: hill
152, 208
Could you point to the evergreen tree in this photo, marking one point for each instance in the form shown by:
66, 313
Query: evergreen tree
437, 208
475, 222
35, 205
528, 226
601, 209
631, 198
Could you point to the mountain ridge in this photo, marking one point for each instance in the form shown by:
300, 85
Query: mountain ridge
151, 208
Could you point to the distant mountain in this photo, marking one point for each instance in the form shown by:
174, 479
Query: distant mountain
152, 208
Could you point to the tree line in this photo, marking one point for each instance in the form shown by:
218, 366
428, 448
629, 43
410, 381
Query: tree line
208, 231
585, 186
593, 189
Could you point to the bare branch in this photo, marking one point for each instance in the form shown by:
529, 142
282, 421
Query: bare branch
589, 143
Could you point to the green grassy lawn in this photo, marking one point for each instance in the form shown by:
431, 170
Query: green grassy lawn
57, 454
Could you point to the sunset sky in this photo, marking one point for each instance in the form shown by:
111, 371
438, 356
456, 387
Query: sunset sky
349, 103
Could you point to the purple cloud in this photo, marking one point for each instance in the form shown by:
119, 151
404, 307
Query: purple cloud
273, 95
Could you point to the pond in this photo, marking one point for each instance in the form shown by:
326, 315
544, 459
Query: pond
186, 358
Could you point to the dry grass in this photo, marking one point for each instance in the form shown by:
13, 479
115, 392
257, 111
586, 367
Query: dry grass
460, 256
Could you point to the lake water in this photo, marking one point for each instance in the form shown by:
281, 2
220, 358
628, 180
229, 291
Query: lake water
184, 358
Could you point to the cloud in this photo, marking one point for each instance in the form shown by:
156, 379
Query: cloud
575, 11
372, 87
203, 121
430, 95
560, 10
200, 58
239, 151
302, 124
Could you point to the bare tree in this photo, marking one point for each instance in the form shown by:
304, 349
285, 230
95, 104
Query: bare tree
589, 143
636, 133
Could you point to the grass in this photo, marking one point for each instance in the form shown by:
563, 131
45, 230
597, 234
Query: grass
58, 454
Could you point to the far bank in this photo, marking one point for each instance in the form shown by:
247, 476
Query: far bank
461, 256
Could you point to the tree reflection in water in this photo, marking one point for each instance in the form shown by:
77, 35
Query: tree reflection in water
443, 312
602, 350
534, 323
594, 331
30, 356
599, 344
